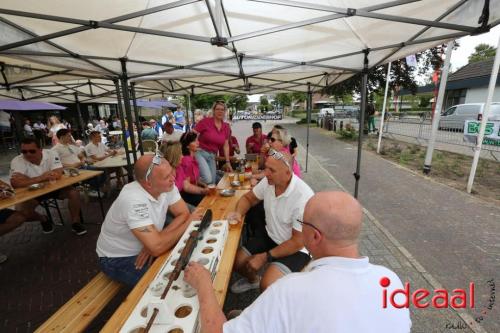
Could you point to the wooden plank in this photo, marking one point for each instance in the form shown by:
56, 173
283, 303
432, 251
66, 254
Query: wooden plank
220, 207
24, 194
82, 308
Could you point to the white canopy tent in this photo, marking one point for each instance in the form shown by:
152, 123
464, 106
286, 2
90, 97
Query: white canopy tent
220, 47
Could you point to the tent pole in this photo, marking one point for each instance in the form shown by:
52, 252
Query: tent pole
484, 120
192, 104
381, 126
437, 113
124, 130
136, 115
188, 108
80, 117
364, 90
126, 103
309, 100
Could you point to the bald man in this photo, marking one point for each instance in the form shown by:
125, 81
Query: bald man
339, 291
277, 248
132, 232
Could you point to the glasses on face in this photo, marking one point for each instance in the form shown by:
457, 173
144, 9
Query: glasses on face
273, 139
26, 151
309, 224
278, 156
156, 161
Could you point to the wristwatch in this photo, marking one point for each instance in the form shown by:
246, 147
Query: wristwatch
270, 258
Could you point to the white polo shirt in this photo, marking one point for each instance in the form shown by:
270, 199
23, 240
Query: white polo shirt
98, 150
283, 211
134, 208
334, 294
50, 161
67, 153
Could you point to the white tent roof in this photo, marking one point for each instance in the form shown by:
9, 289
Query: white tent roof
215, 46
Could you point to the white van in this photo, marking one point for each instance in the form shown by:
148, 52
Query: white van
454, 117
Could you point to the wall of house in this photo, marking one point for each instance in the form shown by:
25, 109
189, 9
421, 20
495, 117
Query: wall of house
478, 95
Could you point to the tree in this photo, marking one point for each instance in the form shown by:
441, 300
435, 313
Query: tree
206, 101
283, 99
238, 102
482, 52
403, 76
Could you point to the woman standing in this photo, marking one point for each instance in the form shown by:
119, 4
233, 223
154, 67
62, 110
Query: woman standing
54, 125
214, 134
188, 173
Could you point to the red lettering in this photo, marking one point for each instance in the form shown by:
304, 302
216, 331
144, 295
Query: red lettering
460, 295
471, 294
406, 293
441, 294
384, 282
384, 298
416, 298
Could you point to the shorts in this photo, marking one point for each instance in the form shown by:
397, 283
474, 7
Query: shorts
5, 214
292, 263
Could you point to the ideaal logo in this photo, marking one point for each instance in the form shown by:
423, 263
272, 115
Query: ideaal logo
440, 299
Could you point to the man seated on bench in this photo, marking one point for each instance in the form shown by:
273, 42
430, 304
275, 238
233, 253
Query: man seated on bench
339, 291
132, 232
37, 165
97, 151
277, 244
9, 219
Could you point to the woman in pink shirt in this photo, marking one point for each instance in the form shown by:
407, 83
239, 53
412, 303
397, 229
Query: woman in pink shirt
187, 173
280, 140
214, 134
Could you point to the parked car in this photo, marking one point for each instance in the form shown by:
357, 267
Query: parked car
454, 117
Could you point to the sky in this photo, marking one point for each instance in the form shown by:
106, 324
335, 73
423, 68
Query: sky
459, 57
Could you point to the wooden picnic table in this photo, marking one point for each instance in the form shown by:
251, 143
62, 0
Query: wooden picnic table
220, 207
24, 194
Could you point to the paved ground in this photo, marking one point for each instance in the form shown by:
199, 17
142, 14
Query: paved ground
454, 236
444, 237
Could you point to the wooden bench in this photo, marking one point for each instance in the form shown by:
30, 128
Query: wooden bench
81, 309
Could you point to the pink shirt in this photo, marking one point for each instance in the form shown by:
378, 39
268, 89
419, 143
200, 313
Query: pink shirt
187, 168
257, 144
212, 139
295, 165
233, 144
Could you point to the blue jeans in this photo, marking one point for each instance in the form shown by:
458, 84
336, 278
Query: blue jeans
122, 269
208, 169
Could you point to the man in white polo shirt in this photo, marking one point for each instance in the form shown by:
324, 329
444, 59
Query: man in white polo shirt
279, 247
339, 291
97, 151
132, 232
37, 165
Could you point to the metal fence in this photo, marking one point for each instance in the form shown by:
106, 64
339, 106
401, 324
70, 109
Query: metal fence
415, 127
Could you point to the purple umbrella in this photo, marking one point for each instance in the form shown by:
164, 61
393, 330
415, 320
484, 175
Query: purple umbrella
28, 105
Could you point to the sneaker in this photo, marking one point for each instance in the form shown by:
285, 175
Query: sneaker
47, 227
78, 229
243, 285
3, 258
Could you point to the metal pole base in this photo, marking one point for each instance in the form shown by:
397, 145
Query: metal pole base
427, 169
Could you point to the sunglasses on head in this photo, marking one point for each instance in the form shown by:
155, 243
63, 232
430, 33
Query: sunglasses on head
278, 156
26, 151
156, 161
